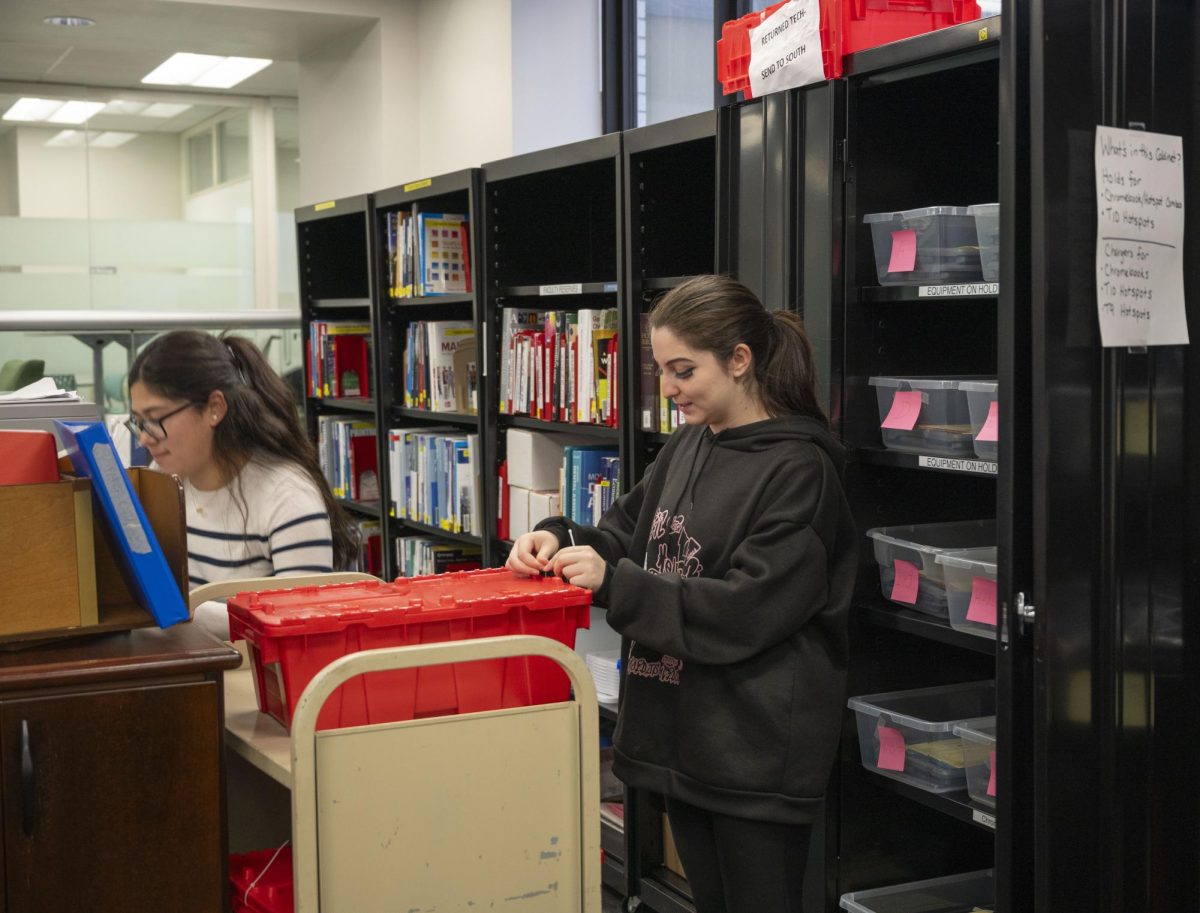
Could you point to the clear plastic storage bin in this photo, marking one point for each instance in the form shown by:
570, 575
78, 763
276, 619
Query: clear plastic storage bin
947, 250
970, 580
979, 755
951, 894
909, 735
918, 547
941, 426
987, 229
980, 396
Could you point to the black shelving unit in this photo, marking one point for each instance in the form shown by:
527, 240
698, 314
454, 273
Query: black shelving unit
922, 129
551, 242
337, 282
459, 192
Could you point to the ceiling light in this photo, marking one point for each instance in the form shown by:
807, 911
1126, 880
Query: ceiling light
121, 106
69, 21
111, 139
207, 70
67, 138
163, 109
75, 112
32, 109
231, 71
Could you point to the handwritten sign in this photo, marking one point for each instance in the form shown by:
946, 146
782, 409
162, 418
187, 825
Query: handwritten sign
1139, 238
785, 49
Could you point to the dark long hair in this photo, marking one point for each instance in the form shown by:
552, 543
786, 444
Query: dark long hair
261, 420
715, 313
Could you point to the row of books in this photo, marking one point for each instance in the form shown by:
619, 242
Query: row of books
658, 413
419, 556
346, 450
560, 365
370, 552
434, 478
338, 358
439, 364
589, 482
428, 254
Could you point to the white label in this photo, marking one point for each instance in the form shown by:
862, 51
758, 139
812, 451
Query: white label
112, 477
563, 288
645, 419
984, 818
965, 290
1139, 238
982, 467
785, 50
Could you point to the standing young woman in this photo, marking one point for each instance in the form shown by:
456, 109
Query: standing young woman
728, 570
214, 412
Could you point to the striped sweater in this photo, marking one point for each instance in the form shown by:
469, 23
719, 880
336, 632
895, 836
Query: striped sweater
282, 528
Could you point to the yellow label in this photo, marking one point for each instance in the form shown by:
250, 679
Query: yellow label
321, 206
417, 185
983, 34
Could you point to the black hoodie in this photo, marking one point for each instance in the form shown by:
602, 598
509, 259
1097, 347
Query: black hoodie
731, 566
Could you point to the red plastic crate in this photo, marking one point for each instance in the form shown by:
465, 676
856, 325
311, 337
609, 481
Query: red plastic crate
846, 26
295, 633
272, 892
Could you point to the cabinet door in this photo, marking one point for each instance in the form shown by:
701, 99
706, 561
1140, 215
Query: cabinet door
112, 801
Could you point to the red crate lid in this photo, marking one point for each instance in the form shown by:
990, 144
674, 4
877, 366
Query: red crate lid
408, 600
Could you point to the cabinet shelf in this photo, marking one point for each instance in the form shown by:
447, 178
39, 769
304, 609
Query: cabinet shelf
665, 892
365, 508
882, 294
401, 304
340, 304
558, 290
663, 283
426, 529
898, 618
344, 404
606, 432
454, 418
956, 804
883, 457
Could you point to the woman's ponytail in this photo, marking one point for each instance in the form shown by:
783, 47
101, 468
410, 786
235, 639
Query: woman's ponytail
787, 376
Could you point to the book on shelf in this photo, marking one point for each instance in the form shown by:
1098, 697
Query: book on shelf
434, 478
589, 471
370, 552
339, 357
440, 367
399, 254
560, 365
419, 556
442, 244
346, 450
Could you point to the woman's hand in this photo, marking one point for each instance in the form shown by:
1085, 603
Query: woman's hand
531, 552
580, 565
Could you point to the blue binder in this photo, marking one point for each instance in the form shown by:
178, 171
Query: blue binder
143, 564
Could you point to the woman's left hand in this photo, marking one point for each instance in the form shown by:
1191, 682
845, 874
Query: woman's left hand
579, 565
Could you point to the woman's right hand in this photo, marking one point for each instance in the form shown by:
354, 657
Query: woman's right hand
531, 553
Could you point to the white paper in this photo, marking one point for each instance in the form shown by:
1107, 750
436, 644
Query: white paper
1139, 238
43, 390
785, 50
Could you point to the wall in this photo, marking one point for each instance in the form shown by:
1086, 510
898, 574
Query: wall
139, 180
466, 97
555, 73
9, 194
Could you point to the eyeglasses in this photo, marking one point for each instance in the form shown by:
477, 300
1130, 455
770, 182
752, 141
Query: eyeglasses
152, 427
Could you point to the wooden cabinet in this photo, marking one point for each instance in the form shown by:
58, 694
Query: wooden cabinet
111, 779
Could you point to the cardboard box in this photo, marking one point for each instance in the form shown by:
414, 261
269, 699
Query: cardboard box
60, 577
535, 457
670, 854
542, 506
518, 511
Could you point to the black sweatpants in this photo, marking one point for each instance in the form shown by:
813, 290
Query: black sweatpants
735, 865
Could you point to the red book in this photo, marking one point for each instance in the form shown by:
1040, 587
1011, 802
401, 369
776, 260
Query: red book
502, 516
364, 463
28, 457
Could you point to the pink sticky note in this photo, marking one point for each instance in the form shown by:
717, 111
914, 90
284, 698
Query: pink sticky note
907, 582
982, 609
990, 429
906, 408
904, 251
891, 748
991, 790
